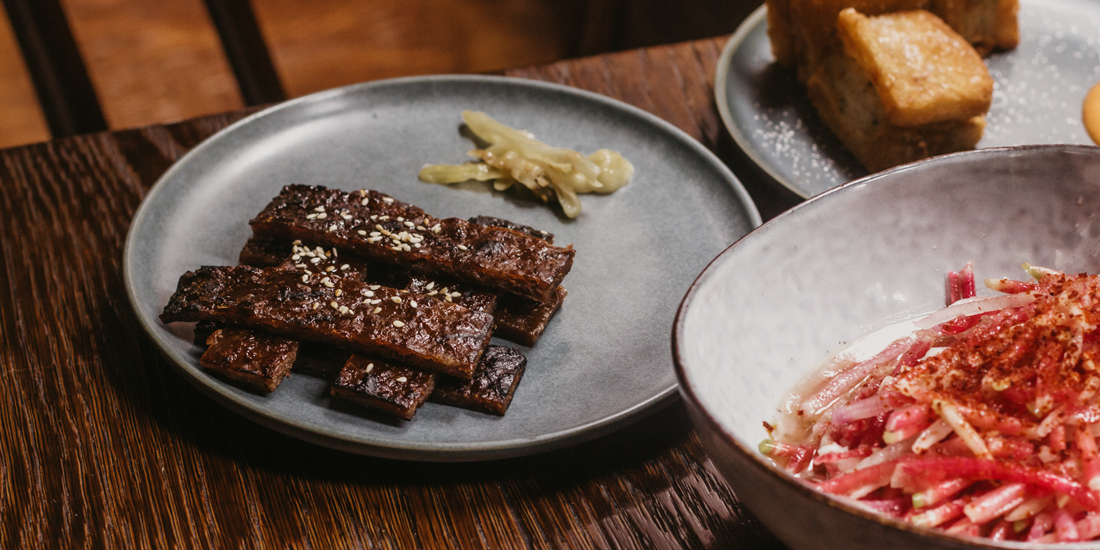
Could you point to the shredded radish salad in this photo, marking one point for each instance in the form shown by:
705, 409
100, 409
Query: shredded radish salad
980, 419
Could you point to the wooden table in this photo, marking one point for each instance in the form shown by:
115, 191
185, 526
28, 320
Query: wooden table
103, 445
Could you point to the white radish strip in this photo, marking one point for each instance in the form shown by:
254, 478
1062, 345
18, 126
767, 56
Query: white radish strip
868, 489
1030, 507
974, 306
1047, 425
996, 502
932, 435
965, 431
864, 408
845, 381
889, 452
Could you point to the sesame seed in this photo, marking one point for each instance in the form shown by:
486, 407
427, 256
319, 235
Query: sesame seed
345, 267
315, 260
332, 227
367, 293
421, 228
433, 293
316, 305
297, 242
376, 301
410, 224
365, 202
387, 200
402, 379
375, 234
322, 216
300, 266
339, 292
375, 287
319, 209
396, 299
431, 285
462, 247
377, 310
311, 217
305, 278
398, 324
412, 303
361, 232
329, 284
296, 257
370, 367
334, 304
334, 254
383, 218
345, 216
374, 216
344, 309
400, 219
447, 298
330, 269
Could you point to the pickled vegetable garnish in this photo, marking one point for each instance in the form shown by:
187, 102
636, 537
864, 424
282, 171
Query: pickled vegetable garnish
551, 173
980, 419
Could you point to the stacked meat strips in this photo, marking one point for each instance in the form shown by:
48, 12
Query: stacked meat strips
394, 306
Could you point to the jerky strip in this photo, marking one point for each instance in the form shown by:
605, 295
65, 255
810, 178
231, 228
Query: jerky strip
521, 320
384, 322
471, 297
494, 383
379, 228
255, 359
501, 222
383, 386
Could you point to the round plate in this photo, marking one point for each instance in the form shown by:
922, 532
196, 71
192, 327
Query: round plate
604, 360
1038, 90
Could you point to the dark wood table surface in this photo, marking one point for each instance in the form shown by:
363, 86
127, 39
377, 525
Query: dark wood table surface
104, 445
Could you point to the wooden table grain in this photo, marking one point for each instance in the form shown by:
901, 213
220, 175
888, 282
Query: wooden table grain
103, 445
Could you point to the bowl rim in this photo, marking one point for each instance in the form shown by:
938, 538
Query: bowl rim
752, 457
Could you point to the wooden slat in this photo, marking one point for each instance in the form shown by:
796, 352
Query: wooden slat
21, 119
151, 60
328, 43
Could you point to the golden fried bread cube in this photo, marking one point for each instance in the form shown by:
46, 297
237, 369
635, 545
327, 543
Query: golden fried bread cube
848, 104
923, 71
812, 26
987, 24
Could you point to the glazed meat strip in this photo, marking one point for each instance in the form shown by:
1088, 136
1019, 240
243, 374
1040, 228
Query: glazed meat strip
492, 387
383, 229
251, 358
392, 324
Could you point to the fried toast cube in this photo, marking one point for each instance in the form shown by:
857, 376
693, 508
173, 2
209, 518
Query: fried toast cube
923, 71
848, 104
813, 27
987, 24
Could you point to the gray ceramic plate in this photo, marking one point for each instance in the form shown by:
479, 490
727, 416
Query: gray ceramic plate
844, 264
603, 362
1037, 96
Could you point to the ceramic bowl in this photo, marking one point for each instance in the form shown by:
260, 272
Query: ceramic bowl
849, 261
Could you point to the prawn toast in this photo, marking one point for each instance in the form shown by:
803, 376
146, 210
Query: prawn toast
431, 335
382, 229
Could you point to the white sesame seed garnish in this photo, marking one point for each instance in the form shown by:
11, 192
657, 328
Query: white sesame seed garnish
319, 250
366, 293
305, 278
375, 287
345, 267
329, 284
437, 228
377, 310
344, 309
319, 209
370, 367
412, 303
296, 257
387, 200
447, 298
398, 324
410, 224
462, 247
421, 228
406, 248
402, 378
374, 216
433, 293
334, 254
300, 266
315, 260
383, 218
311, 217
334, 304
376, 301
346, 216
361, 232
316, 305
322, 216
416, 245
365, 202
332, 227
330, 269
339, 292
375, 234
396, 299
400, 219
430, 285
297, 242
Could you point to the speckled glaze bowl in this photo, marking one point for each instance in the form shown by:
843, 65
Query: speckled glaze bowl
849, 261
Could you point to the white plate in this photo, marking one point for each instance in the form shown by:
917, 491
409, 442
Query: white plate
604, 361
1037, 96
